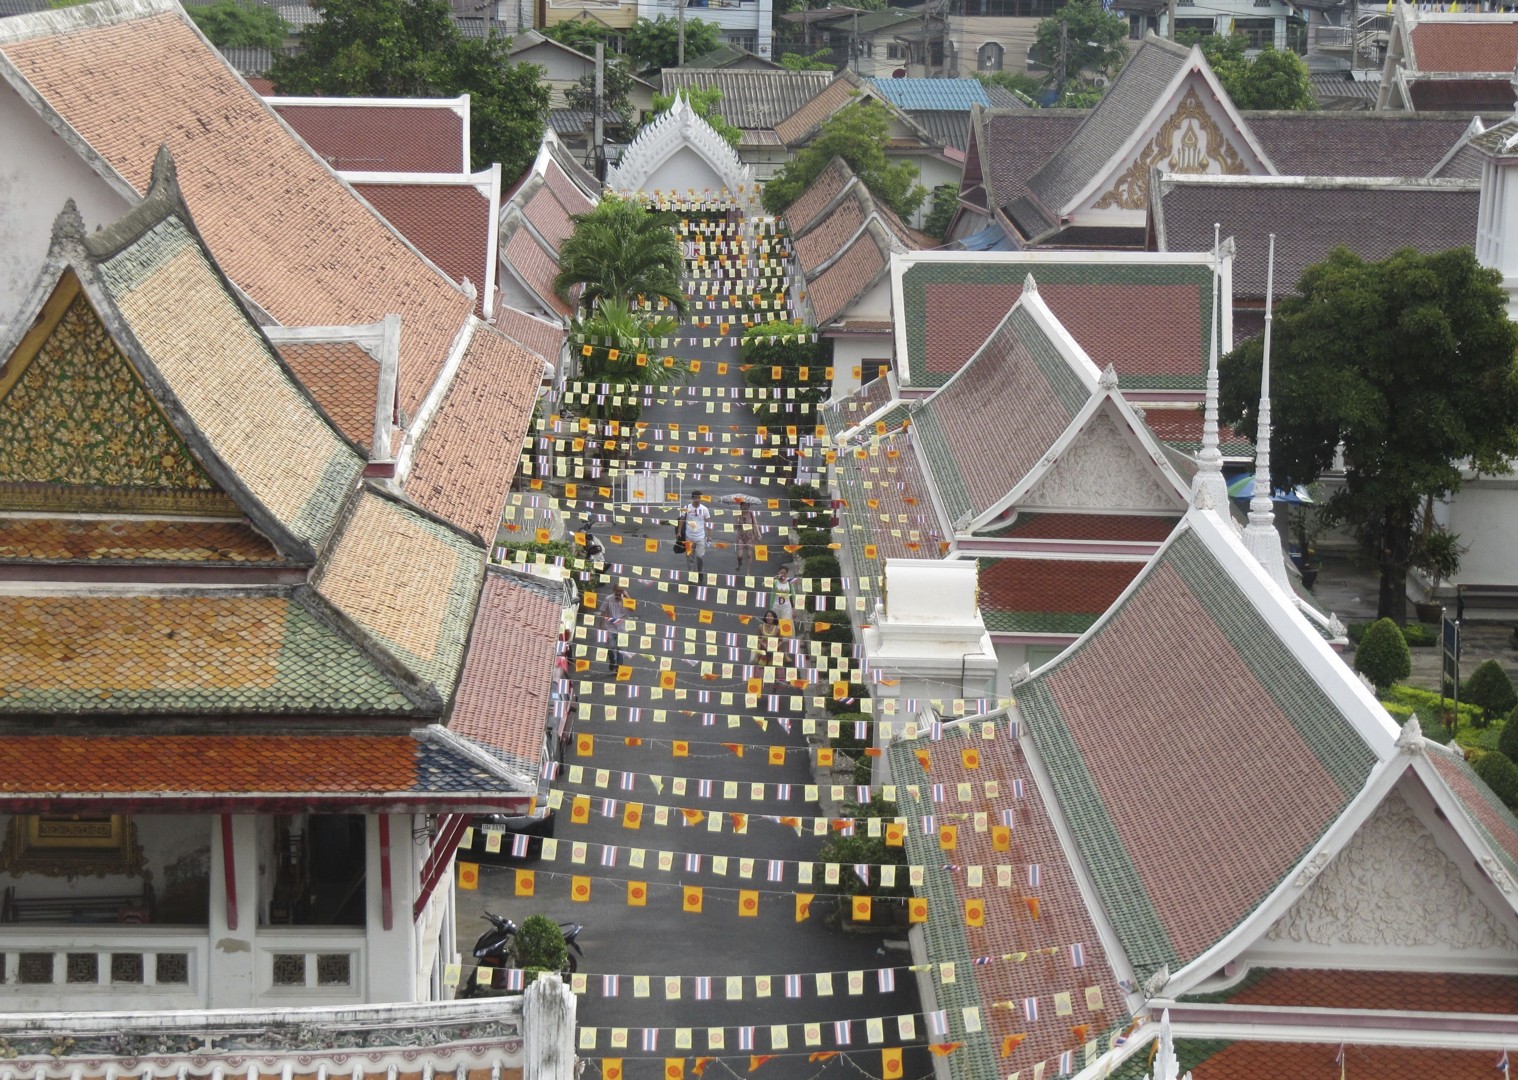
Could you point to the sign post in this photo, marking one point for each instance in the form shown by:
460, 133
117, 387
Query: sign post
1449, 642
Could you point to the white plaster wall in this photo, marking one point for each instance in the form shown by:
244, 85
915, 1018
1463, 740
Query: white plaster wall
682, 170
38, 171
850, 353
392, 954
1485, 515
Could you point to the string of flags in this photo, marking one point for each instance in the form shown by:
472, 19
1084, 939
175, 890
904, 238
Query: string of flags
668, 431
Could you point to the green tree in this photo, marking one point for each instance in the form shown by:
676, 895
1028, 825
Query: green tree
616, 88
857, 133
621, 251
1016, 82
817, 61
580, 34
1507, 740
1081, 41
704, 101
1270, 80
540, 945
849, 851
411, 48
1408, 363
1501, 775
623, 355
654, 44
941, 207
1383, 656
1490, 690
240, 22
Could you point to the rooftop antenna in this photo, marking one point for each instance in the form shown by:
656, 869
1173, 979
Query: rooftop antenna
1209, 472
1260, 535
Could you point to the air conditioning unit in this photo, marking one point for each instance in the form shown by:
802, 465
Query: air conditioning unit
640, 487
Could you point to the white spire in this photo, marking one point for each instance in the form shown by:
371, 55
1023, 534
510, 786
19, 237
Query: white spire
1260, 535
1166, 1065
1209, 473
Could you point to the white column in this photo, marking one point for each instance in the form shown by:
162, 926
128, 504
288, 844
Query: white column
232, 972
548, 1030
390, 953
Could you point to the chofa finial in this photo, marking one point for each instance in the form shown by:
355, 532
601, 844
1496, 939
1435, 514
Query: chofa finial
68, 226
1029, 285
1108, 381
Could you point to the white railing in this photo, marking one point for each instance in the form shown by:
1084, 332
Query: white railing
310, 962
59, 967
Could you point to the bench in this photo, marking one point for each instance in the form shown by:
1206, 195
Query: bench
115, 908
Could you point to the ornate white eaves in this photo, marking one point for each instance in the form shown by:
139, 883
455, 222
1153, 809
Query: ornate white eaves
665, 136
1100, 469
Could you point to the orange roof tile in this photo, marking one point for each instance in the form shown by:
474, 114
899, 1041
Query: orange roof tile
468, 454
279, 222
1466, 46
825, 239
381, 138
536, 267
1273, 1060
1081, 586
823, 189
538, 335
1131, 528
449, 223
801, 123
1415, 991
132, 540
344, 380
840, 284
549, 217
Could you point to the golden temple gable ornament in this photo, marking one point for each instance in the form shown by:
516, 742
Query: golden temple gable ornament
1189, 141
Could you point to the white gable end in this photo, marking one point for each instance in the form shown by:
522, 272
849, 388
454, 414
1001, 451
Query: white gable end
1101, 470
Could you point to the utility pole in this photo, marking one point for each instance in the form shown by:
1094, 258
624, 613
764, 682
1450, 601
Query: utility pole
598, 136
680, 56
1064, 52
1170, 20
854, 47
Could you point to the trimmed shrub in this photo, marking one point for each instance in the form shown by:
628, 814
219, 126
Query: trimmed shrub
1417, 635
1382, 656
821, 566
814, 542
1500, 774
846, 742
796, 493
540, 944
1507, 741
1490, 690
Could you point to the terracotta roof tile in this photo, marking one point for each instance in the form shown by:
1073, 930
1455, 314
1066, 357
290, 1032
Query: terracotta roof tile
344, 380
1062, 596
280, 224
467, 456
849, 412
153, 654
108, 540
536, 267
1132, 528
448, 223
1485, 811
799, 124
570, 196
823, 189
540, 336
549, 216
1462, 95
1413, 991
1356, 143
1182, 429
1064, 919
381, 138
1273, 1060
828, 236
1018, 142
1127, 689
902, 522
503, 696
841, 283
1475, 45
1148, 321
409, 581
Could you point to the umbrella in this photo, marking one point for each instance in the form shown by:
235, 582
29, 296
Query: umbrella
1242, 487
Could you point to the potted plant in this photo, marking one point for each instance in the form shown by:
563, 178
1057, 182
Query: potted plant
1306, 525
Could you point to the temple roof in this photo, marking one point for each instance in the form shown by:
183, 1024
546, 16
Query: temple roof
1050, 596
376, 135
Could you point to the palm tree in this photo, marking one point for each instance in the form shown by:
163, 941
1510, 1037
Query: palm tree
621, 251
615, 327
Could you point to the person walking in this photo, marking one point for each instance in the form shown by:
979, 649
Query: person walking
780, 594
748, 535
697, 517
609, 619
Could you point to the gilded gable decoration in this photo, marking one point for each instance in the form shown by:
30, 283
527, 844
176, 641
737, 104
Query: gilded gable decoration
1189, 141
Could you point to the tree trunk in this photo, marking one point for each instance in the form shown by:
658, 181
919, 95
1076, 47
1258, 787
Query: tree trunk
1396, 543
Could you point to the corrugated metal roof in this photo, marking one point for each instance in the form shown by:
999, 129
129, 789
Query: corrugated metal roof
915, 94
751, 99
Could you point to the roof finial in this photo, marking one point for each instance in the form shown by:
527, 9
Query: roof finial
1166, 1065
1029, 285
1260, 535
1209, 473
1108, 381
68, 226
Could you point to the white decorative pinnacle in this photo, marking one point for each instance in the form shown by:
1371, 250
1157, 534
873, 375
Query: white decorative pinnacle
1029, 285
1108, 381
1410, 738
1260, 536
1209, 473
1166, 1065
663, 137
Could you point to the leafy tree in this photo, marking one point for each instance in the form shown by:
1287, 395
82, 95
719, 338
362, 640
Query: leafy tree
240, 22
1091, 40
617, 336
621, 251
654, 44
1408, 363
1500, 774
411, 48
1271, 80
616, 87
1490, 690
540, 945
704, 101
1023, 85
580, 34
1382, 655
941, 207
817, 61
857, 133
1507, 740
859, 848
776, 354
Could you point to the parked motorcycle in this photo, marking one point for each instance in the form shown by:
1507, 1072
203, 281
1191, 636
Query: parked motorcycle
593, 552
495, 950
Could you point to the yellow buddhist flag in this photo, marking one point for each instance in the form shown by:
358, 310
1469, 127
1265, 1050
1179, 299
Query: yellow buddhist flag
1001, 838
840, 690
704, 616
637, 894
895, 834
748, 903
890, 1063
948, 837
624, 673
469, 875
925, 759
692, 894
527, 882
917, 909
611, 1069
975, 912
825, 756
543, 536
1011, 1043
681, 748
862, 908
777, 755
666, 680
585, 745
579, 810
579, 889
803, 906
674, 1069
970, 758
632, 816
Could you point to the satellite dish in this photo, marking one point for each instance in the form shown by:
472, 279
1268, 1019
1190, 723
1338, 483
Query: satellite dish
899, 73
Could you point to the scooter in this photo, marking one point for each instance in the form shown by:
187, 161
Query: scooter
495, 950
593, 552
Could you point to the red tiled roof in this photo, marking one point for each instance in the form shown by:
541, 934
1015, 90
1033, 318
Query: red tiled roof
279, 223
1132, 528
463, 466
903, 522
569, 193
1466, 46
132, 540
538, 335
1018, 142
1184, 426
1469, 95
381, 138
1356, 143
804, 120
1104, 319
1078, 586
196, 763
344, 380
536, 267
503, 695
1415, 991
1478, 801
840, 284
1273, 1061
549, 217
827, 237
448, 223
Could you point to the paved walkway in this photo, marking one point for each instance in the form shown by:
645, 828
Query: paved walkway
661, 939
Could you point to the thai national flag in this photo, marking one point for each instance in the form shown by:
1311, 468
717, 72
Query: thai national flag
1035, 876
519, 846
516, 978
745, 1038
1030, 1009
886, 979
1067, 1063
627, 781
1077, 955
611, 985
608, 855
704, 788
650, 1040
1017, 788
938, 1023
843, 1032
703, 987
776, 870
793, 986
692, 863
782, 791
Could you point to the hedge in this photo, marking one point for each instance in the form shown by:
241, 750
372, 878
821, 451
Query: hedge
1382, 656
1500, 774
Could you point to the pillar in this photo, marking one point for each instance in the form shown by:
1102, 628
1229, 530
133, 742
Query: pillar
390, 967
548, 1030
232, 964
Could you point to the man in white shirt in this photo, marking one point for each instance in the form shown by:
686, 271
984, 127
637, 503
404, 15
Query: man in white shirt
698, 520
609, 619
